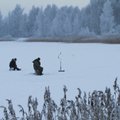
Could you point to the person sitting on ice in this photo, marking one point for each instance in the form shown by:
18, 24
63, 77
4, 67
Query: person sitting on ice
13, 65
37, 66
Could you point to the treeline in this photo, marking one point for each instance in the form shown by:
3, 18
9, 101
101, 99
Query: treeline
97, 105
98, 18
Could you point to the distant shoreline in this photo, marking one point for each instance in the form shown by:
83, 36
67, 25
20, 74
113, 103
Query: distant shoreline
111, 39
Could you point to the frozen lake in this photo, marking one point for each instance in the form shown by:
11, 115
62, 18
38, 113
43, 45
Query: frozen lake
87, 66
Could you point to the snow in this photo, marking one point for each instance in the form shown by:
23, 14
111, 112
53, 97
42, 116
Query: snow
87, 66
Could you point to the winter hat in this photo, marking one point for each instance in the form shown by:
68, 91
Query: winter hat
38, 58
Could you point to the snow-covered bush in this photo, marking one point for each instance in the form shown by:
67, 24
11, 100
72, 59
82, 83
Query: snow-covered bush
98, 105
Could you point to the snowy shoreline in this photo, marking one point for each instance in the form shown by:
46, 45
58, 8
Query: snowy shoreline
110, 39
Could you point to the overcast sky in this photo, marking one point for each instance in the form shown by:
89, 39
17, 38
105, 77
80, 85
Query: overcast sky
8, 5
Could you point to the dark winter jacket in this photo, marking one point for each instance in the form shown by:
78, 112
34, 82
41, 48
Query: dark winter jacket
36, 64
12, 63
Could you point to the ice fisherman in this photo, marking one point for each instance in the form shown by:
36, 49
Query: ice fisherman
13, 65
37, 66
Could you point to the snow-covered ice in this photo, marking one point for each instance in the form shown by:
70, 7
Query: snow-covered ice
87, 66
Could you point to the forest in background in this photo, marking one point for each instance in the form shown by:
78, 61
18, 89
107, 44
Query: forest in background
99, 18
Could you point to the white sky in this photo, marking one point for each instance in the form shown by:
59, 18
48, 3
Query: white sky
8, 5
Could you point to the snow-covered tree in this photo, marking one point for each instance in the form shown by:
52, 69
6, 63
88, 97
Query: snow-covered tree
62, 24
23, 25
76, 23
15, 18
57, 24
39, 26
107, 18
67, 26
44, 21
95, 10
49, 15
85, 32
116, 11
1, 24
85, 17
31, 20
117, 29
